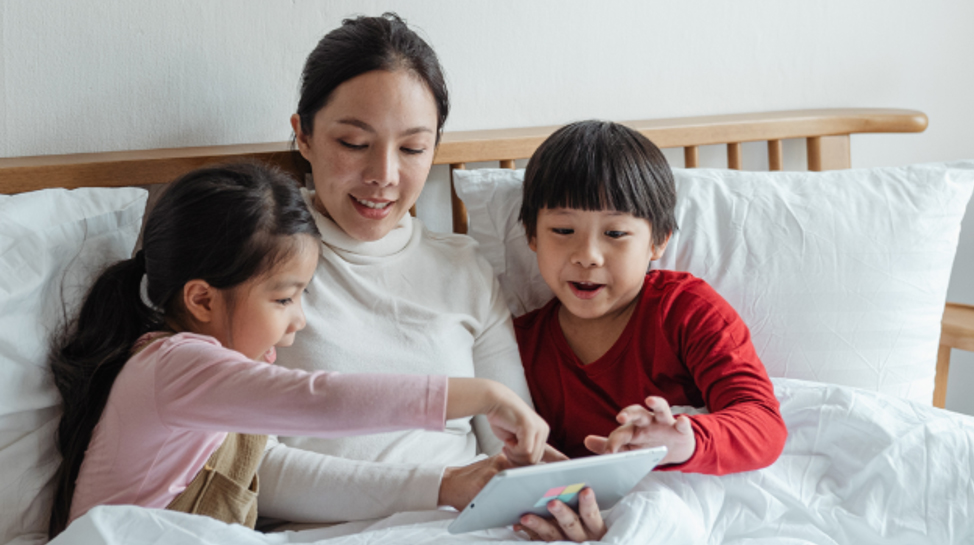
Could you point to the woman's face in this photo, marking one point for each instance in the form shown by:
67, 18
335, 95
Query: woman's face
370, 150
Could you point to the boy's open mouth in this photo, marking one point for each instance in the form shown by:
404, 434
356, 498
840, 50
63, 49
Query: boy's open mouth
587, 286
586, 290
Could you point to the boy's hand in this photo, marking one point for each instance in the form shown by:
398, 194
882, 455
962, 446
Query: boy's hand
642, 428
586, 525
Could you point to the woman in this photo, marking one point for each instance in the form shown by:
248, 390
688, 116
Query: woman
388, 295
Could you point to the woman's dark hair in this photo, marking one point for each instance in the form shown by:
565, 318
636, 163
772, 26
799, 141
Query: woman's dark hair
600, 165
224, 225
362, 45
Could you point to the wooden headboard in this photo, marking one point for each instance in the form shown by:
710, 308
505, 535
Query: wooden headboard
826, 133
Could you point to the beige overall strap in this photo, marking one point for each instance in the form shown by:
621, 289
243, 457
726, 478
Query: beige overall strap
226, 488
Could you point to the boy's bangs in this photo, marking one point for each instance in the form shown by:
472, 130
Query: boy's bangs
593, 185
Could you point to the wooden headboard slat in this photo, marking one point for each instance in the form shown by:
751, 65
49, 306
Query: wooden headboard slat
143, 167
494, 145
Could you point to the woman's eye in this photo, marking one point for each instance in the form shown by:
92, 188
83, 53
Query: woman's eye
562, 231
285, 302
615, 234
350, 145
412, 151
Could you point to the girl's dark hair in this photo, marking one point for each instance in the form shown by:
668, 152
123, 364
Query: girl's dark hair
224, 225
362, 45
600, 165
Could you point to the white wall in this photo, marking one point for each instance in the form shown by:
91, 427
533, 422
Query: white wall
97, 75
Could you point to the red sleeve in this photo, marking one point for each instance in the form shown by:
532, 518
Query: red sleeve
745, 430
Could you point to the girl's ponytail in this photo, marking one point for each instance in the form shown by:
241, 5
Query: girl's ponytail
85, 363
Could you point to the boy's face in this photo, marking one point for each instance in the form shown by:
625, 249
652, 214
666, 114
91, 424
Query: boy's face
594, 262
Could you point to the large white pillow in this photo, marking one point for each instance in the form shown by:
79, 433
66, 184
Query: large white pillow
52, 244
841, 275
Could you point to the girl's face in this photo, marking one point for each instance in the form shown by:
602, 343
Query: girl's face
370, 151
267, 311
594, 261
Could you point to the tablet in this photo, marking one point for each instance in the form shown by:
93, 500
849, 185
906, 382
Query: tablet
515, 492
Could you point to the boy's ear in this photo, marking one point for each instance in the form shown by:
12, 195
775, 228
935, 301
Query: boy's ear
300, 137
658, 249
199, 298
533, 243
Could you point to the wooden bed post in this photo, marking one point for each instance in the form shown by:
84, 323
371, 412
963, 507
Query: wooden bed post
829, 153
459, 209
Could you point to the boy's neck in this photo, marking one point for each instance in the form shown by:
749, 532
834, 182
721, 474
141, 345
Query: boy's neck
591, 338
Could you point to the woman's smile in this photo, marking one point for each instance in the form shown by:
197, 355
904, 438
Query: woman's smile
372, 208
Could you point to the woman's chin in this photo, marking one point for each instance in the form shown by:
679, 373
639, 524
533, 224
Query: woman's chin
369, 230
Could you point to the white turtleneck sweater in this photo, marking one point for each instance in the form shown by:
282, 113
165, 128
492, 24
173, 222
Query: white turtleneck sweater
413, 302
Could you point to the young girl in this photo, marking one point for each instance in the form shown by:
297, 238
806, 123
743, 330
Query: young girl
598, 206
172, 350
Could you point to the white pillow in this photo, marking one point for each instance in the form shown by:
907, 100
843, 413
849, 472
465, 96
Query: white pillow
52, 244
841, 275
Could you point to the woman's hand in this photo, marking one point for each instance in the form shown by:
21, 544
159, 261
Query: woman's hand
642, 428
523, 432
586, 525
461, 484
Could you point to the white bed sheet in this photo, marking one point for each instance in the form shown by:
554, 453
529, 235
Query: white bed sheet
858, 468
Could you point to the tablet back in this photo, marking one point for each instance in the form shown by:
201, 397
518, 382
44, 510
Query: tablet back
515, 492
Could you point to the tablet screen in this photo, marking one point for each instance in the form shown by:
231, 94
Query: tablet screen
515, 492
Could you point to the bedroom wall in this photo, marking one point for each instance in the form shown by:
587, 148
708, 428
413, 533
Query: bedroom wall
99, 75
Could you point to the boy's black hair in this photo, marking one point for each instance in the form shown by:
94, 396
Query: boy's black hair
600, 165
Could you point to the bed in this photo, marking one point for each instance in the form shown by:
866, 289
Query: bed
840, 273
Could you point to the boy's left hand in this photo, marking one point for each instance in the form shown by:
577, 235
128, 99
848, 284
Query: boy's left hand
567, 525
642, 428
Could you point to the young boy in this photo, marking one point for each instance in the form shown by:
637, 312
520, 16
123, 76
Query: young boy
598, 206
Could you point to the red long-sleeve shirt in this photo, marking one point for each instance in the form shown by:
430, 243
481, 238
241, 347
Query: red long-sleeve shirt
683, 343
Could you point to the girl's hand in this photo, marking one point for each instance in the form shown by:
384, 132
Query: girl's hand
642, 428
523, 432
551, 454
461, 484
586, 525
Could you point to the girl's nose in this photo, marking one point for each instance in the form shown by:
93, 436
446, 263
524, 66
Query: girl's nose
298, 323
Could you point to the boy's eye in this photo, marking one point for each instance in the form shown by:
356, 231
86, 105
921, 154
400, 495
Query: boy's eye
562, 231
615, 234
285, 302
352, 146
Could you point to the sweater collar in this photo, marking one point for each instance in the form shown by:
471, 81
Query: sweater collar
335, 238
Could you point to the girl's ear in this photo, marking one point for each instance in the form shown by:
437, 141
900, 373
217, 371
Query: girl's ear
658, 249
199, 298
533, 244
300, 137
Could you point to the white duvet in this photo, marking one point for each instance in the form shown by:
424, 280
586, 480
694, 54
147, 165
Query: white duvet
858, 468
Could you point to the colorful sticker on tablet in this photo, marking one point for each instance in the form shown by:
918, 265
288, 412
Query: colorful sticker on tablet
563, 493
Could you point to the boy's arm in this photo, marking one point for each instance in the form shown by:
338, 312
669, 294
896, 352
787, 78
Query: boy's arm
745, 430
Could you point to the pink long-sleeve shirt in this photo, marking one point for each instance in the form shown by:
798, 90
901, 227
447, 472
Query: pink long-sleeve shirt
173, 403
